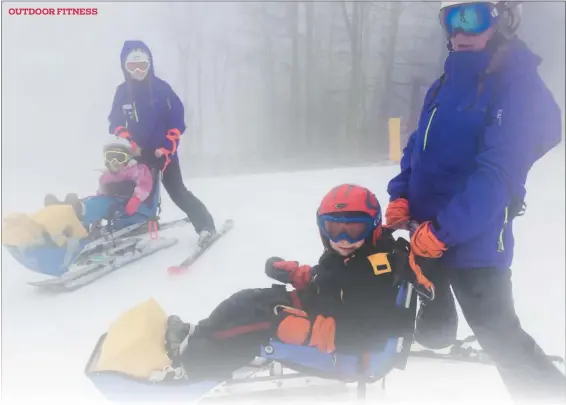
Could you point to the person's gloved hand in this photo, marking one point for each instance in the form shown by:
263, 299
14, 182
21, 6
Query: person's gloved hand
409, 268
132, 206
164, 154
397, 214
288, 272
124, 133
425, 244
295, 327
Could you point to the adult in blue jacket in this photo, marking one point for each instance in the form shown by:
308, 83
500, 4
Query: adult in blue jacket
483, 125
147, 112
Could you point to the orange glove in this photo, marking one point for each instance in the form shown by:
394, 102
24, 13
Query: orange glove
424, 243
397, 213
296, 328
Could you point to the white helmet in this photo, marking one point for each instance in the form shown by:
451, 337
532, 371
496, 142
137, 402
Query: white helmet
446, 4
509, 13
117, 153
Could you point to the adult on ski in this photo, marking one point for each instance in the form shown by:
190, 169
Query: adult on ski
483, 125
147, 112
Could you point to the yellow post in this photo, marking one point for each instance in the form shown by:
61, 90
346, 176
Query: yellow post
395, 139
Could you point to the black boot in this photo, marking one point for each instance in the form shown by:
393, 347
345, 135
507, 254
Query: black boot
74, 200
50, 199
177, 336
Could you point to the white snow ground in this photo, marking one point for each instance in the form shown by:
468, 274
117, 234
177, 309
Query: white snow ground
47, 340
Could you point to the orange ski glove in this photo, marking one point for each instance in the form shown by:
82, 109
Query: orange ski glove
295, 327
397, 213
425, 244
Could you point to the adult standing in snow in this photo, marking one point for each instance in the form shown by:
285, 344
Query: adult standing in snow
483, 125
147, 112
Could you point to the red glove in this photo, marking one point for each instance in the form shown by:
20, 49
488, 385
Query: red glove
124, 133
295, 327
132, 205
288, 272
397, 213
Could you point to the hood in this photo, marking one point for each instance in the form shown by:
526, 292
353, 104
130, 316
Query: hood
130, 46
519, 60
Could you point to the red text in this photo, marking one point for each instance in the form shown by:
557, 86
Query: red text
53, 11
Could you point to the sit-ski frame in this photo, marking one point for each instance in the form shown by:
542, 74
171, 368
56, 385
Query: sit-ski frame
265, 375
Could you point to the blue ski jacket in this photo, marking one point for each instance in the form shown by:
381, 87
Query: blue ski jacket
149, 109
465, 166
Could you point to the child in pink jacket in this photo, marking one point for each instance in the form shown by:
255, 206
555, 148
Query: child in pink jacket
122, 175
122, 190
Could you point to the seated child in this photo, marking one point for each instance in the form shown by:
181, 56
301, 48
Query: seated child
48, 240
345, 303
123, 188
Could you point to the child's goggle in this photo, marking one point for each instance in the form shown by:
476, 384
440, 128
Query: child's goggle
471, 19
141, 66
116, 157
352, 230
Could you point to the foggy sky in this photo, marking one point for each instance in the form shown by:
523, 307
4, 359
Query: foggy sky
60, 74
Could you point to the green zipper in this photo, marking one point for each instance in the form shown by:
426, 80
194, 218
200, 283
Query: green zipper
500, 245
428, 127
135, 112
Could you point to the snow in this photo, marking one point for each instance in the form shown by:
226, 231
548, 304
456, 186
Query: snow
47, 340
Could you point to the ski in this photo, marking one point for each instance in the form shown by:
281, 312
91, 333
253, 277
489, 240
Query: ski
105, 264
462, 351
105, 255
162, 226
85, 264
199, 250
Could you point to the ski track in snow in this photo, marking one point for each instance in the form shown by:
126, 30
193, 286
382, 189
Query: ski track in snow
47, 340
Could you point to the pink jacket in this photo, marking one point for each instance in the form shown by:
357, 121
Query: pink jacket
139, 173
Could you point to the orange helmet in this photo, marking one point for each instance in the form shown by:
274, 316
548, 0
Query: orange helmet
349, 212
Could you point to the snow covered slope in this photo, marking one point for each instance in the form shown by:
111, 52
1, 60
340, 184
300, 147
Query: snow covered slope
46, 340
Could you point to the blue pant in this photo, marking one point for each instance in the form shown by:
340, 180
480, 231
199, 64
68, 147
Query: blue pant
105, 207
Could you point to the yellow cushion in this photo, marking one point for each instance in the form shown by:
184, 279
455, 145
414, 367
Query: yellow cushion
56, 218
20, 230
134, 344
24, 230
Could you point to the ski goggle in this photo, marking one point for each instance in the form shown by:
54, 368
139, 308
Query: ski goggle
116, 157
352, 230
471, 19
137, 65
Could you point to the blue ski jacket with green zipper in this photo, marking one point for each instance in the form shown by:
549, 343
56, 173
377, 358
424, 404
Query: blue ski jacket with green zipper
466, 164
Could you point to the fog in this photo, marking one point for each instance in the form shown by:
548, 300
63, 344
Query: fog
265, 85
